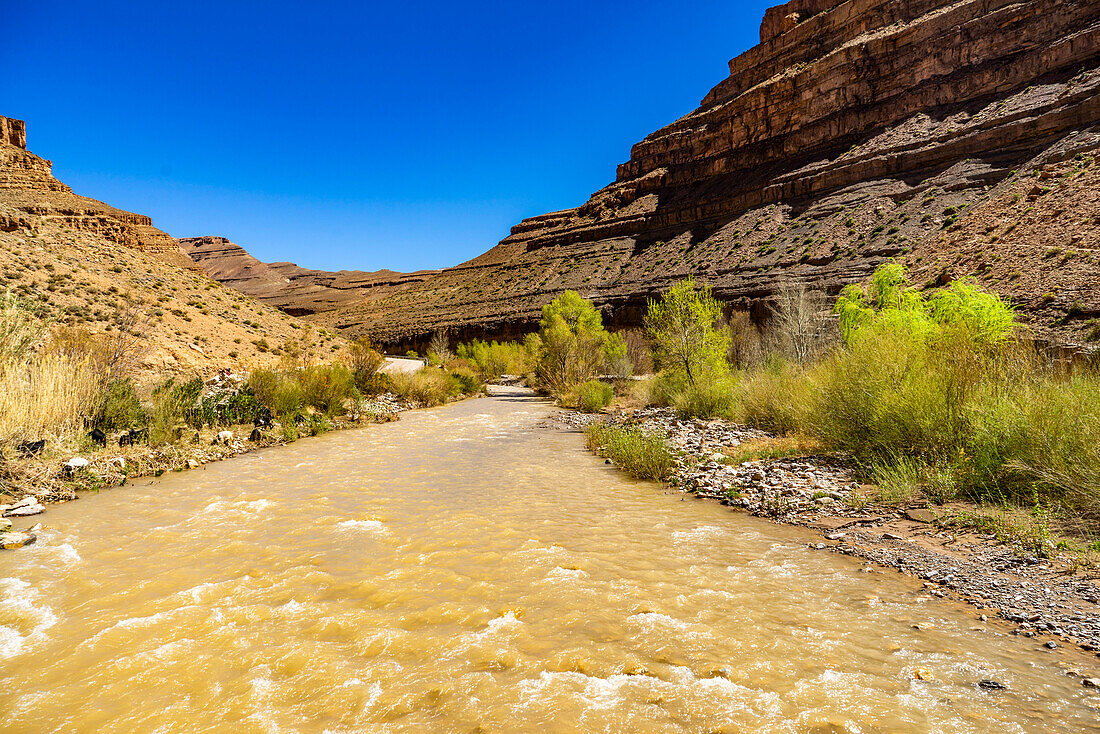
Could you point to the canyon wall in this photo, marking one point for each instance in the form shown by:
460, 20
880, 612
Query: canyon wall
297, 291
957, 135
31, 196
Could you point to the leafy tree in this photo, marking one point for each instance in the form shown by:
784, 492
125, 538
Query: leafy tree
888, 303
683, 331
572, 343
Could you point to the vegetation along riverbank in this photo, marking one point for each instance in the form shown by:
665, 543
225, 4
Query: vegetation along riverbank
78, 415
920, 429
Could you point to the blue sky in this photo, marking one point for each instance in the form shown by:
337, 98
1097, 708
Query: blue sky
356, 135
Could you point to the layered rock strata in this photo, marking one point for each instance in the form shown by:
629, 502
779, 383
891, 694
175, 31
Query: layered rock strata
959, 135
293, 289
30, 196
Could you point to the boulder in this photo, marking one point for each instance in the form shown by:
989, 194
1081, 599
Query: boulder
11, 541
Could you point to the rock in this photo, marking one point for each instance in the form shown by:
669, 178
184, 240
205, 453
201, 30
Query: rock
1091, 682
891, 536
835, 536
825, 500
25, 510
920, 515
923, 674
192, 464
224, 437
11, 541
992, 685
5, 525
1051, 645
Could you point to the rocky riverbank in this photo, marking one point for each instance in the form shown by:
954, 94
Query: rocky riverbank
1050, 598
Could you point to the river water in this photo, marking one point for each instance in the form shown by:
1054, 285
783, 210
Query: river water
468, 569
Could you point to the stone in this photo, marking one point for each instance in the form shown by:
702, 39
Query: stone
1051, 645
992, 685
5, 525
192, 464
1091, 682
926, 516
11, 541
25, 510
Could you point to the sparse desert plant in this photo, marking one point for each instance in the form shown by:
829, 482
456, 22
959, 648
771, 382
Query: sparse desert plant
365, 361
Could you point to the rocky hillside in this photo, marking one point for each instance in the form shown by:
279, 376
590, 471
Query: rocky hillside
86, 264
959, 135
293, 289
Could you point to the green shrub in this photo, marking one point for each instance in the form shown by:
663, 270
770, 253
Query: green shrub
119, 407
683, 330
662, 388
776, 398
642, 455
326, 387
710, 398
593, 396
465, 382
427, 388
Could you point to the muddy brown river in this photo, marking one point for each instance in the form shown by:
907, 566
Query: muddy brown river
468, 569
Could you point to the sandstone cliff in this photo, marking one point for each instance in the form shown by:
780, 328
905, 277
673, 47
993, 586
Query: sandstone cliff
959, 135
297, 291
82, 263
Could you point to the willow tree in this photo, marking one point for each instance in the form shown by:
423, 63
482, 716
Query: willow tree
684, 331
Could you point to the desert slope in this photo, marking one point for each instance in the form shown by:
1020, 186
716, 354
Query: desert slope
86, 264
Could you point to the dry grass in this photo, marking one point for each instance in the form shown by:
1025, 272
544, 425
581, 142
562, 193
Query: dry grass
46, 396
774, 447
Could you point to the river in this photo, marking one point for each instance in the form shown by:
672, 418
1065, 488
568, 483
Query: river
469, 569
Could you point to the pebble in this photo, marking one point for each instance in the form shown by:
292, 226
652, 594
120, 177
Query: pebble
1091, 682
992, 685
1051, 645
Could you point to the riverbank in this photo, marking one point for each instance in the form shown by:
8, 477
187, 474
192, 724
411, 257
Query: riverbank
1051, 599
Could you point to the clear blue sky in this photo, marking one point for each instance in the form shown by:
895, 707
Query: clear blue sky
355, 135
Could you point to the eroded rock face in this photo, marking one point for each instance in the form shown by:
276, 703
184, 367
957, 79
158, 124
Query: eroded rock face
959, 135
296, 290
29, 194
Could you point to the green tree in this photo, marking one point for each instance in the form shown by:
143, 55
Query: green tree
683, 331
572, 343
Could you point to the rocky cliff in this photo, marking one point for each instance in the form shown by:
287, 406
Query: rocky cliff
293, 289
84, 264
958, 135
30, 195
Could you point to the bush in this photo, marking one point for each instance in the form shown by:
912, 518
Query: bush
593, 396
466, 381
119, 407
493, 359
711, 398
365, 361
427, 388
326, 387
642, 455
777, 398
